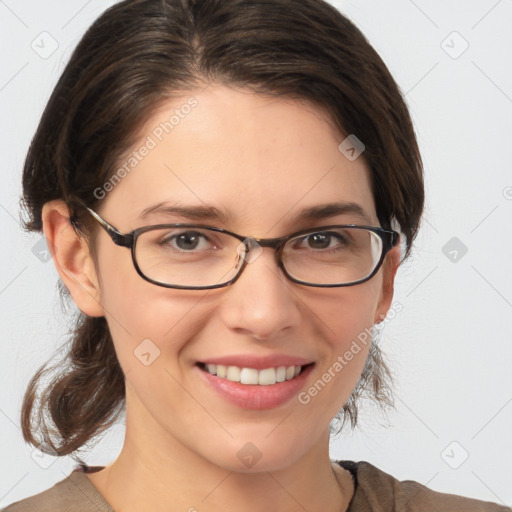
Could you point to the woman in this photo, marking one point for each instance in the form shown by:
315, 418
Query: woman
224, 186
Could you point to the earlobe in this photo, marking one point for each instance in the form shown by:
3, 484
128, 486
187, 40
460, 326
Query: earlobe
390, 268
72, 258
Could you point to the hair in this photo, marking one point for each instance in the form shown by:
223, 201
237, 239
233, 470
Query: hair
137, 55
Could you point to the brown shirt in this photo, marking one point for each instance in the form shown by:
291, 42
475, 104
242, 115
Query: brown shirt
375, 491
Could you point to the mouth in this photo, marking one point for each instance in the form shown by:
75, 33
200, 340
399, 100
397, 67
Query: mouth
252, 376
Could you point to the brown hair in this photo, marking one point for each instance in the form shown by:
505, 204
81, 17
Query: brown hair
142, 52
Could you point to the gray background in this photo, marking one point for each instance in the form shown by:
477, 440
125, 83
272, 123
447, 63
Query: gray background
450, 346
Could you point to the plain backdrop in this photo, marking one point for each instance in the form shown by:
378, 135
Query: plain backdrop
449, 347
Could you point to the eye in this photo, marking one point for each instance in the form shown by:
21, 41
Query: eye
186, 241
322, 240
319, 240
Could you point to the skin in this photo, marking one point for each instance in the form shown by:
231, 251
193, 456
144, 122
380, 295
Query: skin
263, 159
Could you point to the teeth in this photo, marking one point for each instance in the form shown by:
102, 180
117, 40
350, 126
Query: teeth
233, 373
265, 377
248, 376
281, 374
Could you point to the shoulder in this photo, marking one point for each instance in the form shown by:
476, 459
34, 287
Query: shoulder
75, 492
376, 490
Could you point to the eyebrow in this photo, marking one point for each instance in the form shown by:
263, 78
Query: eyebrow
207, 212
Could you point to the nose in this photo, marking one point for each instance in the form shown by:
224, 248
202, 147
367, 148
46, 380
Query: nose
262, 302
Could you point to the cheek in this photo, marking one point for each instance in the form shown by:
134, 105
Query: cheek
143, 317
345, 321
343, 314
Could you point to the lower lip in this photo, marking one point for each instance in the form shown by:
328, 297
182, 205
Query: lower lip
257, 397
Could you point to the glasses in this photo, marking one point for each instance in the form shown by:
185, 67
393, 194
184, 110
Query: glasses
198, 257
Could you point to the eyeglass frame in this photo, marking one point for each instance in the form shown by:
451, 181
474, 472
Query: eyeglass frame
389, 238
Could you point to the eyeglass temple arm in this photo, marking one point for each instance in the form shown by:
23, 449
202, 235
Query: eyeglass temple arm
117, 237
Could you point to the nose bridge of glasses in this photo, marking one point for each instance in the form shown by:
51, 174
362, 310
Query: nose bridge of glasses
253, 247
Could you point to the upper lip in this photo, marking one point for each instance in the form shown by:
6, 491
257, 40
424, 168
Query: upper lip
258, 362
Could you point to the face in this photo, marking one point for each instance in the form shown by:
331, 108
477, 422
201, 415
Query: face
262, 161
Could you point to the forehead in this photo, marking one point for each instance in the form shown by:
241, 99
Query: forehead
260, 160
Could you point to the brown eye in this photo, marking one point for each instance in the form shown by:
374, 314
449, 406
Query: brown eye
187, 241
319, 241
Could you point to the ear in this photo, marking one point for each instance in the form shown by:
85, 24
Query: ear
72, 259
389, 268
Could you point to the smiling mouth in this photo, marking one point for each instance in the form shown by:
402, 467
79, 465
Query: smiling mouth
252, 376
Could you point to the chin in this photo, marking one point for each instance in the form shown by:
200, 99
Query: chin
257, 454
